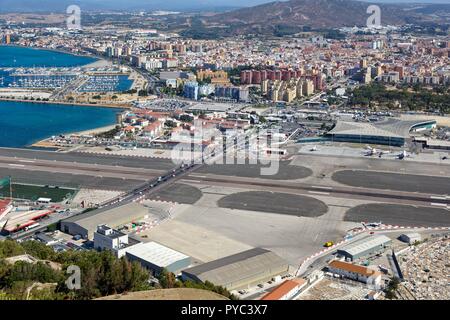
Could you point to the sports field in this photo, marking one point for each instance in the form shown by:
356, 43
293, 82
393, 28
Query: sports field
33, 192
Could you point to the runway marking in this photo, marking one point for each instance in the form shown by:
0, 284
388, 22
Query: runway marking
322, 187
318, 192
197, 176
16, 165
187, 180
438, 198
439, 204
27, 161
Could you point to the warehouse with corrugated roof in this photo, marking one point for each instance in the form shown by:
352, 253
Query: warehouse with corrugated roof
241, 270
156, 257
366, 247
86, 224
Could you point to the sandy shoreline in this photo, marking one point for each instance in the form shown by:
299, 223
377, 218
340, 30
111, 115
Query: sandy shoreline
47, 143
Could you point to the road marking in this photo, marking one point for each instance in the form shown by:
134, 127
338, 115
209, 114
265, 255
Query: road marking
438, 198
439, 204
16, 165
197, 176
318, 192
187, 180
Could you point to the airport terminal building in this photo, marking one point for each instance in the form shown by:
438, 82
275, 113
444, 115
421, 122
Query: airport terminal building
392, 132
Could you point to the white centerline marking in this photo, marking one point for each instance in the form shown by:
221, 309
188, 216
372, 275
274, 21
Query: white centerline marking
322, 187
439, 204
318, 192
438, 198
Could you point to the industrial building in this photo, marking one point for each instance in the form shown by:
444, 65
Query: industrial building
410, 237
155, 257
86, 224
365, 247
240, 270
355, 272
392, 132
106, 238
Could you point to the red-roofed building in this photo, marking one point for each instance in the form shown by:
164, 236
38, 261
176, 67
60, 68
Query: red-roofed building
355, 272
5, 207
153, 129
287, 290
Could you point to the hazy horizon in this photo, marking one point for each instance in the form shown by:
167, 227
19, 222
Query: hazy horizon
133, 5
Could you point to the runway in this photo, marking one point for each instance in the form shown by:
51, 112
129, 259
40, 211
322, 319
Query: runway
69, 180
309, 189
274, 202
105, 172
399, 215
89, 158
394, 181
284, 172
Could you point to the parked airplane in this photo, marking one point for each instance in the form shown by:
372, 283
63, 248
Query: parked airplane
373, 151
313, 149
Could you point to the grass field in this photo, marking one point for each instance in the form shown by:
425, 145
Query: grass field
32, 192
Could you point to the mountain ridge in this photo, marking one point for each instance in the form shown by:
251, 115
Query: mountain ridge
324, 14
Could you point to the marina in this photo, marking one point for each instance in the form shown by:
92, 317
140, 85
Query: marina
96, 80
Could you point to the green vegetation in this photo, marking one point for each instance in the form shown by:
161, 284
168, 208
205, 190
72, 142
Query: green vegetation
391, 288
32, 192
132, 91
418, 99
142, 93
281, 30
335, 35
109, 134
101, 273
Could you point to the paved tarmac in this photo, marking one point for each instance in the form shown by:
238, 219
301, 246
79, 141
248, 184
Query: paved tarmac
69, 180
178, 192
136, 162
285, 171
281, 203
394, 181
402, 215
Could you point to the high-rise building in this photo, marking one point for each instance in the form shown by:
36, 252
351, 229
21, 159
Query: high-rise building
308, 88
363, 64
190, 90
400, 70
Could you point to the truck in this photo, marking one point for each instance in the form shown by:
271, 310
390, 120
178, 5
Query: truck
32, 226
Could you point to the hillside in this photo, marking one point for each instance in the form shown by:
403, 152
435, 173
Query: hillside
167, 294
318, 14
